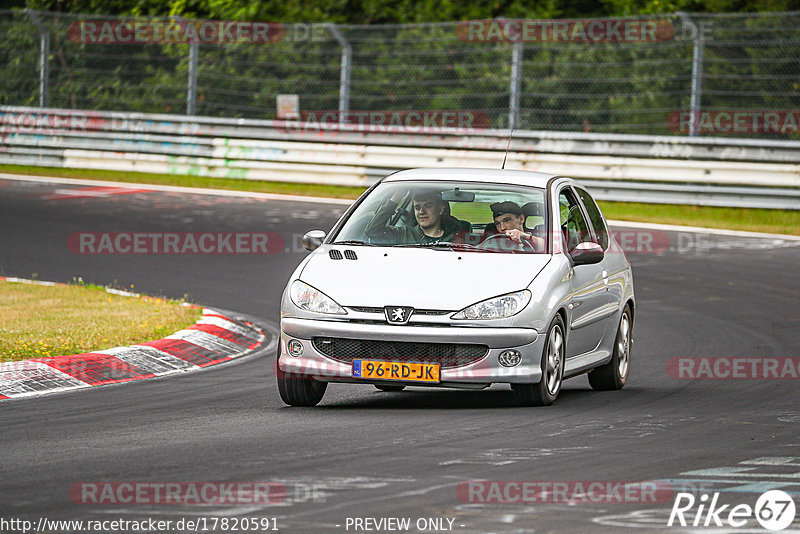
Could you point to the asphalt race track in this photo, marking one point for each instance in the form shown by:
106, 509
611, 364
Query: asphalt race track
369, 454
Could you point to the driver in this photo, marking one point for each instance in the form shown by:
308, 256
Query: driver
431, 227
509, 218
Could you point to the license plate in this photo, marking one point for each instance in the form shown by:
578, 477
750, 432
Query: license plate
406, 372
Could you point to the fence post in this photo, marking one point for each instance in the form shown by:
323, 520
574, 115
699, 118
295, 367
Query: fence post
191, 89
697, 72
44, 58
344, 77
516, 80
697, 80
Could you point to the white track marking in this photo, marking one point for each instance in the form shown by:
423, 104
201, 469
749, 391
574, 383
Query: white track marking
208, 341
25, 378
230, 326
508, 456
149, 359
700, 230
26, 281
773, 460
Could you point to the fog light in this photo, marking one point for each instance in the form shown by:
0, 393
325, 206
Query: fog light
295, 348
509, 358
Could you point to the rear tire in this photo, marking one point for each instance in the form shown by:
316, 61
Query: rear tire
613, 375
389, 388
296, 390
546, 390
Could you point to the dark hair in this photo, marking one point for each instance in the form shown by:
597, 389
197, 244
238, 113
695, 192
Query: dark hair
501, 208
428, 194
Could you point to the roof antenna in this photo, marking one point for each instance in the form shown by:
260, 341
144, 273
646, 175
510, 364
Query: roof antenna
507, 147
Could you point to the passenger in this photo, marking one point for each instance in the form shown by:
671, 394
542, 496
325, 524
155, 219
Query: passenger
431, 227
509, 218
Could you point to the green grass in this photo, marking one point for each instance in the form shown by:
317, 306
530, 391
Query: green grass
481, 212
41, 321
234, 184
754, 220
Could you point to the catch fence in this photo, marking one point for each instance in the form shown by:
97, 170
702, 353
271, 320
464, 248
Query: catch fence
673, 74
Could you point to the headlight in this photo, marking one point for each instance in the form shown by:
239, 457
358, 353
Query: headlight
308, 298
497, 307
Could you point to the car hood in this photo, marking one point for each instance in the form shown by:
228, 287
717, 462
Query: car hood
422, 278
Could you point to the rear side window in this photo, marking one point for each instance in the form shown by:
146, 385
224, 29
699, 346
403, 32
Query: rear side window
573, 223
595, 216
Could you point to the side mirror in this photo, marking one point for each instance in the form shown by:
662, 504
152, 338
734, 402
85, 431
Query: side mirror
587, 253
313, 239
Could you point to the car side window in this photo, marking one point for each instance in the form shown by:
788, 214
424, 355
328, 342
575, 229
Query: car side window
595, 216
573, 220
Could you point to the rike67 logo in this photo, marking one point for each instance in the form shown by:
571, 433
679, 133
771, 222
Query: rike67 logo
774, 510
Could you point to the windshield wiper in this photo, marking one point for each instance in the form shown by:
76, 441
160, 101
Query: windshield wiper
412, 245
354, 242
445, 245
473, 248
468, 246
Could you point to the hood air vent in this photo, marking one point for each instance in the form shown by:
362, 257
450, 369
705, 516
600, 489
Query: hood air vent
335, 254
350, 254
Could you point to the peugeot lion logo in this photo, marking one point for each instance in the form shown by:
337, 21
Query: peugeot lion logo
398, 314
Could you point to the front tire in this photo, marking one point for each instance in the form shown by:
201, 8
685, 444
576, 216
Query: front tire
546, 391
613, 375
296, 390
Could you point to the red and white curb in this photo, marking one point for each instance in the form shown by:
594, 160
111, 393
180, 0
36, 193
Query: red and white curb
213, 339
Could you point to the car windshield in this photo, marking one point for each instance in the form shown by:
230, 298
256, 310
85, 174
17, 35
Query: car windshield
465, 216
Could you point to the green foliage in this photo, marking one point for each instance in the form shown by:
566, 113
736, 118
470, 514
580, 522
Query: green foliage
19, 56
631, 87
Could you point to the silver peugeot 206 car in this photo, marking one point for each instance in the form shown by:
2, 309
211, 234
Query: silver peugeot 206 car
460, 278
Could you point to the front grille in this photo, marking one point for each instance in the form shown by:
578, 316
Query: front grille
383, 322
447, 355
432, 312
369, 309
366, 309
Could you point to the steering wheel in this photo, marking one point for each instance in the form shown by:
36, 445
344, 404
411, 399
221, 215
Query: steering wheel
521, 245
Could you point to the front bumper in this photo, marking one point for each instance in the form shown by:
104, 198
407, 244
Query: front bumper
479, 374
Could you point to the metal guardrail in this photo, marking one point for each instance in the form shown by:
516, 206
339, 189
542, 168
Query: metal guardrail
646, 146
700, 171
